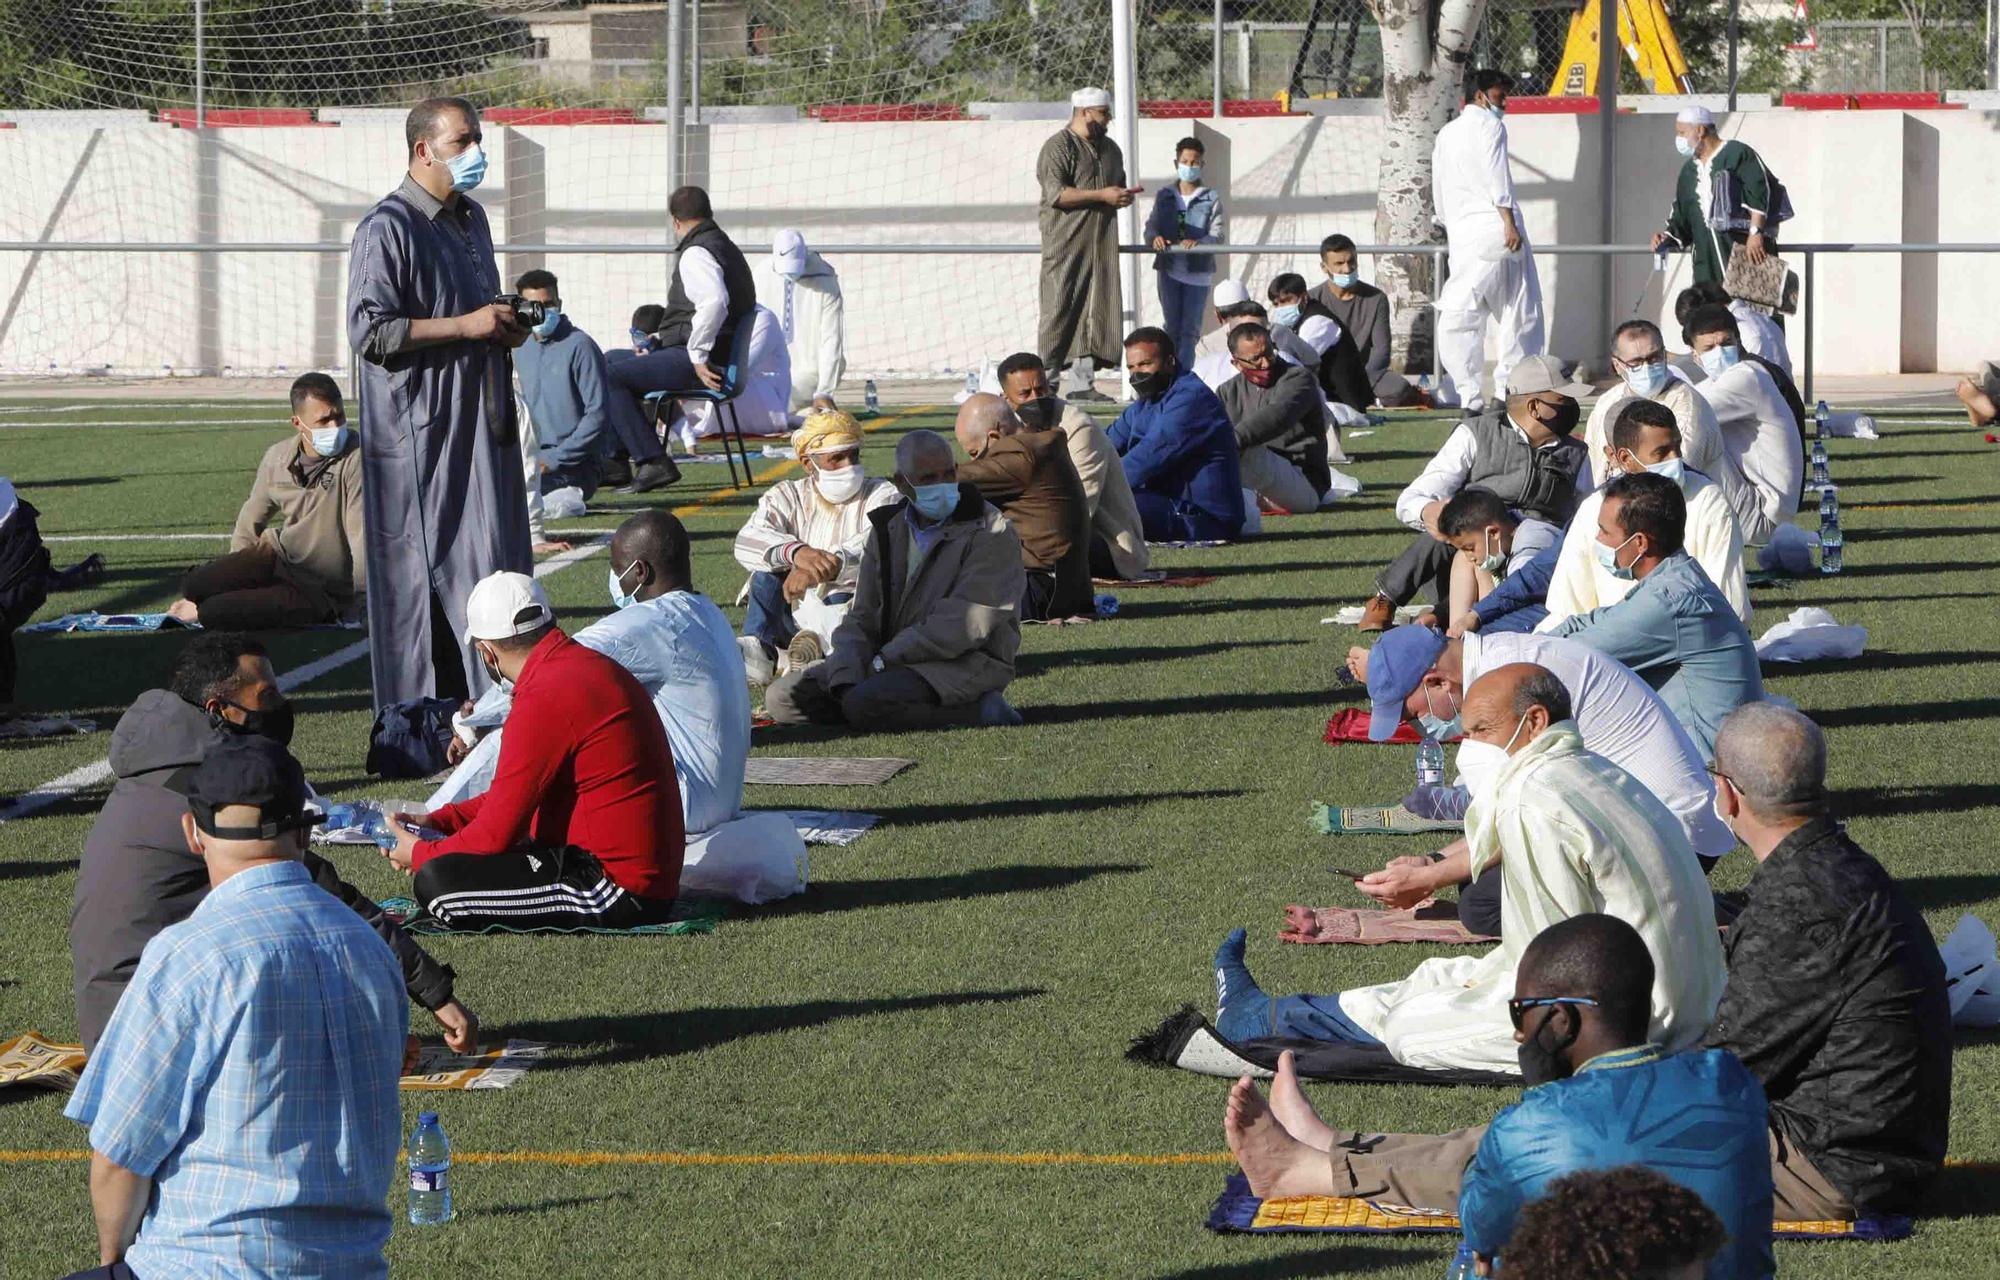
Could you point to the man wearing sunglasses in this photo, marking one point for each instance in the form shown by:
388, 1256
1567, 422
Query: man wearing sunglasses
1601, 1095
1639, 356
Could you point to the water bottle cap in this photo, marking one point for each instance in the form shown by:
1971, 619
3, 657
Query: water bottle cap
427, 1117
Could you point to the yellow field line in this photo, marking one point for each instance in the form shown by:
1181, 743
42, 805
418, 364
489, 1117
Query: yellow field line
791, 465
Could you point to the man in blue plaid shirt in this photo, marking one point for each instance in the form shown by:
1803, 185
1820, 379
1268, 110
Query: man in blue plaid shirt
242, 1104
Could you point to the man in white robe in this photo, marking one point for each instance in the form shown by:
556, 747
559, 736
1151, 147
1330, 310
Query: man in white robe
1492, 267
763, 407
803, 291
1639, 355
1573, 834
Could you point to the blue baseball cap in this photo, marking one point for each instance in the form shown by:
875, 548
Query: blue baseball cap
1396, 666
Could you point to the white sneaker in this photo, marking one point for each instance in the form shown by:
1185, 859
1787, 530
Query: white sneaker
759, 666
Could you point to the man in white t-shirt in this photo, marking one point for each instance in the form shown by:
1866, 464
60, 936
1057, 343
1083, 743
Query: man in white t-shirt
1762, 463
1417, 674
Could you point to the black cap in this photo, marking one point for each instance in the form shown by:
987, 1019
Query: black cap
249, 769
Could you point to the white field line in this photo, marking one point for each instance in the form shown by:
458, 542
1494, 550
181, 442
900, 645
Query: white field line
263, 419
68, 784
92, 405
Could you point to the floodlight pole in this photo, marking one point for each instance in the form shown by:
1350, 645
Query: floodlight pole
1215, 58
200, 67
694, 66
1125, 125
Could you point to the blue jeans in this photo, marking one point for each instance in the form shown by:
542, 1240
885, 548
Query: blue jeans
1316, 1018
1183, 306
768, 616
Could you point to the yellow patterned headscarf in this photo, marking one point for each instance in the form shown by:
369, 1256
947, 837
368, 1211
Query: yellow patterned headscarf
826, 430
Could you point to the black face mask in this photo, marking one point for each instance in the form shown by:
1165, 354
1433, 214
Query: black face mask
1566, 417
1540, 1063
1038, 414
1151, 386
276, 724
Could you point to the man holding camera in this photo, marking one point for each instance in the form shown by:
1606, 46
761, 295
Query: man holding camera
443, 494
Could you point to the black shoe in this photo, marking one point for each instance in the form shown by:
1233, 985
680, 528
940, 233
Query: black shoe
657, 474
614, 473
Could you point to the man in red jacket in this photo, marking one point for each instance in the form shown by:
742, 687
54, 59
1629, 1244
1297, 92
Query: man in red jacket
582, 825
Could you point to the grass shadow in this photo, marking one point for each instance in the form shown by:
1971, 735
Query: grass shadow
982, 810
638, 1037
548, 1206
1028, 664
1932, 893
1902, 801
1335, 1260
829, 896
1966, 1191
35, 870
1908, 713
1878, 661
1202, 704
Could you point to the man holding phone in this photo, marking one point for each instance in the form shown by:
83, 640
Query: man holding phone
1081, 172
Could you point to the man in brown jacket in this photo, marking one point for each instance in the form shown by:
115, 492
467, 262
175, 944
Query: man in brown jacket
930, 637
1030, 477
311, 568
1118, 536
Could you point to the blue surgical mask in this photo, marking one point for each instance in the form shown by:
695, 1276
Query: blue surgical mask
620, 599
1607, 558
1674, 469
331, 442
1494, 562
1684, 145
1287, 315
1433, 727
1345, 280
1189, 172
1498, 111
1718, 360
551, 317
1646, 380
468, 168
934, 502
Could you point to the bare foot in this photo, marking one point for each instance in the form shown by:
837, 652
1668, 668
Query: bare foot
184, 611
1276, 1163
1289, 1104
1979, 407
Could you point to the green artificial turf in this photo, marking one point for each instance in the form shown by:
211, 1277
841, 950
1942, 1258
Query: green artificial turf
966, 977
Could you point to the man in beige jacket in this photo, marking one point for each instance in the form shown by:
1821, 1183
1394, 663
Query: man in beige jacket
930, 637
1118, 542
295, 558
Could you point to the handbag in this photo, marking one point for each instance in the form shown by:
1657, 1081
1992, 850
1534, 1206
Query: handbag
1769, 285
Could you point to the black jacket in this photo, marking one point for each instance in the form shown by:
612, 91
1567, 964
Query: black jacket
1836, 1001
137, 876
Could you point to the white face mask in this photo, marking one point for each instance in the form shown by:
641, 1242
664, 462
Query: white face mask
840, 486
1478, 762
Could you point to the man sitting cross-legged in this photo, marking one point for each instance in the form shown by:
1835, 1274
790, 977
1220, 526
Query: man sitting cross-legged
1610, 1095
582, 826
1415, 675
1280, 422
1030, 478
1179, 448
1836, 995
929, 641
1674, 628
679, 647
1574, 834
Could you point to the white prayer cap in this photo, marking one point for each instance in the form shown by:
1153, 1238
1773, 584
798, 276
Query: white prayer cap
1696, 115
788, 253
1083, 98
1230, 292
505, 605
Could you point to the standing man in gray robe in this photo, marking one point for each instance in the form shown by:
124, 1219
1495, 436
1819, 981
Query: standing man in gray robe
1082, 175
443, 497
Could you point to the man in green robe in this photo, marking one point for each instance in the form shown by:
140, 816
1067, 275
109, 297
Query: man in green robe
1081, 172
1722, 199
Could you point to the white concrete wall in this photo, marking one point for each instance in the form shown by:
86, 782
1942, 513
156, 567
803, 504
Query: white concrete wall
1854, 176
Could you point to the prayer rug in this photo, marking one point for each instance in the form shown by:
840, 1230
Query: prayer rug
1159, 578
831, 826
696, 915
1375, 820
1187, 1041
1239, 1211
1426, 922
1350, 724
823, 771
31, 1060
94, 621
1188, 545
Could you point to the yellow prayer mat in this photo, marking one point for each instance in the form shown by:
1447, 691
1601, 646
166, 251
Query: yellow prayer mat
30, 1059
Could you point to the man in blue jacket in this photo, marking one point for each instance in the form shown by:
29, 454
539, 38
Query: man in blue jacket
1599, 1097
1179, 448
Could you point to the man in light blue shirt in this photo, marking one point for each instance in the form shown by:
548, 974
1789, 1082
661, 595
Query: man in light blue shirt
561, 369
682, 651
1676, 629
242, 1103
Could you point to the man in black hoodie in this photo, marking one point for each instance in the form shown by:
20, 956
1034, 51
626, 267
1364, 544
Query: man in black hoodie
137, 876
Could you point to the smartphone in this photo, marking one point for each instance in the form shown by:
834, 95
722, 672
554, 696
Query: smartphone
1351, 875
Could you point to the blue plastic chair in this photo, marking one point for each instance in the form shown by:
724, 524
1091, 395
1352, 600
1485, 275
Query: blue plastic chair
734, 376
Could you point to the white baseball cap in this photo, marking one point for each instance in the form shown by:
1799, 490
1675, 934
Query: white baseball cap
1090, 97
788, 253
1695, 115
505, 605
1230, 292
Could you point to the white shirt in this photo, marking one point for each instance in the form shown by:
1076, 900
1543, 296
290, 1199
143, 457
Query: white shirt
1471, 179
1317, 332
1761, 334
1762, 460
1701, 437
1449, 469
701, 280
1621, 719
1581, 584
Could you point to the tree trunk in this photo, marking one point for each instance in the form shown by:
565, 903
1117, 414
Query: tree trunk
1422, 78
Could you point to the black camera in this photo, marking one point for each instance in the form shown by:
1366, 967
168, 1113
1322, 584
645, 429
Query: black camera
527, 312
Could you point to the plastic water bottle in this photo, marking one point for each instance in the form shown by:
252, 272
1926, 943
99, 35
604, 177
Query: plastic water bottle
1829, 530
1430, 762
870, 398
972, 382
1660, 260
1821, 478
1461, 1264
430, 1172
1820, 415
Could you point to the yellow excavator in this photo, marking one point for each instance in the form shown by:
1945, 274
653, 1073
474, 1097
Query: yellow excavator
1649, 42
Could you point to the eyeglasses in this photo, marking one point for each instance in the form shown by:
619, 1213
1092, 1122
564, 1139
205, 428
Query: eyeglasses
1714, 772
1516, 1008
